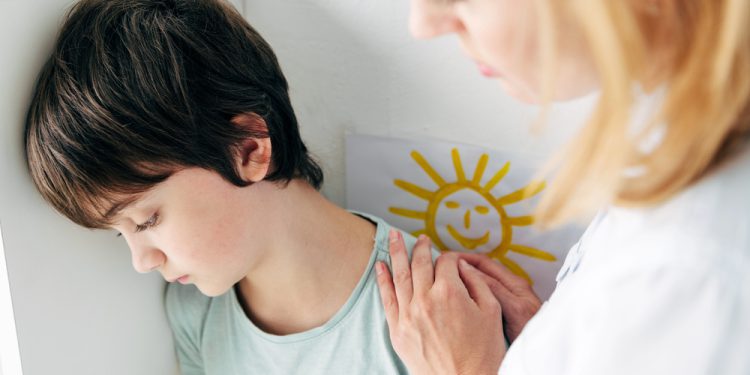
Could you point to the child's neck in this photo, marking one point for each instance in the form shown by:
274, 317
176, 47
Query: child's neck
315, 262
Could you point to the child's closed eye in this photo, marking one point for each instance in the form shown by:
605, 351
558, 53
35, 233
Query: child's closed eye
150, 223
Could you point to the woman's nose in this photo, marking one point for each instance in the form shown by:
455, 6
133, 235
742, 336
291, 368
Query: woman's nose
429, 19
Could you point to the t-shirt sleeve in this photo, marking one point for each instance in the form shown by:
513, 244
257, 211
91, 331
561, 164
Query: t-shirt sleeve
670, 319
186, 308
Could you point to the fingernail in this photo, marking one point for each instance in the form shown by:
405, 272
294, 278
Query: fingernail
393, 235
424, 239
462, 263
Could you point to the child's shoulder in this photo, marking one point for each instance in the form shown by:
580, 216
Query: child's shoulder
382, 242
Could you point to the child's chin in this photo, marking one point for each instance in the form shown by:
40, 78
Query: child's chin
212, 290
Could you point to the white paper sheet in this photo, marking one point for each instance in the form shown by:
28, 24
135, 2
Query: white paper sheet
464, 197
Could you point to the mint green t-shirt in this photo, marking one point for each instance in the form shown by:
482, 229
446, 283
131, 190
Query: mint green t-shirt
213, 336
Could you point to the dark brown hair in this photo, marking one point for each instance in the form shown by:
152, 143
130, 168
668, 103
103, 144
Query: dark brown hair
137, 89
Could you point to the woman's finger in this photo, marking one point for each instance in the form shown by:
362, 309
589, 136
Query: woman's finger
494, 269
422, 270
516, 297
446, 273
476, 286
387, 294
400, 268
501, 293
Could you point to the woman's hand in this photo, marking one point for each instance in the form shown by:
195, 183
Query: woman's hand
514, 293
442, 320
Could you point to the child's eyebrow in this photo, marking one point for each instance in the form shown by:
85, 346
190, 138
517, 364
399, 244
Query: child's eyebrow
120, 205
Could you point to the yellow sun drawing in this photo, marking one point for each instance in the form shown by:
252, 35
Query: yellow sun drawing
456, 202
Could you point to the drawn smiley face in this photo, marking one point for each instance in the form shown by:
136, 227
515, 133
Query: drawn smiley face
466, 219
464, 215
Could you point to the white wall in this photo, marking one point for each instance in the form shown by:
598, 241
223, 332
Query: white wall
81, 309
353, 67
79, 306
10, 359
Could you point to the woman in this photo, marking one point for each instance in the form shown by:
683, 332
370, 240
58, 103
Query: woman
658, 283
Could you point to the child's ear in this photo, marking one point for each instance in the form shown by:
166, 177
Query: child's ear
253, 162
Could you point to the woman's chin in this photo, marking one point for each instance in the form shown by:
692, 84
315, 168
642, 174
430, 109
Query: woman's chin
532, 98
519, 94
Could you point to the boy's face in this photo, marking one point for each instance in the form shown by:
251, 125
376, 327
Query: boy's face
196, 227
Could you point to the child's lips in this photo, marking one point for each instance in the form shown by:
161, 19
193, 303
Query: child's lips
182, 279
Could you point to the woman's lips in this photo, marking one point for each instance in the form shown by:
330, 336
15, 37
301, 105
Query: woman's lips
486, 70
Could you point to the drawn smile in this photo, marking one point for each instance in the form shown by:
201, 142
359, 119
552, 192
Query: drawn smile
469, 243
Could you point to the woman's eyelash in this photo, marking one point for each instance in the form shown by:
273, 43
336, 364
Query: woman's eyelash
152, 221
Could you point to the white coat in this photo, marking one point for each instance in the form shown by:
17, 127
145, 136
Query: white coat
662, 290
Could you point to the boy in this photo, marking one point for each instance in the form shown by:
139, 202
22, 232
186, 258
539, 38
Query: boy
170, 122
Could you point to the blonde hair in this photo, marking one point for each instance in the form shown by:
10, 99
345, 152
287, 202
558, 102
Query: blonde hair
696, 51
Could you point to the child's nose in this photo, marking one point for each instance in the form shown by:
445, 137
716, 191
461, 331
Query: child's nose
146, 259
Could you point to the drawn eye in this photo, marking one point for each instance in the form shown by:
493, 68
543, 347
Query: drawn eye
484, 210
452, 204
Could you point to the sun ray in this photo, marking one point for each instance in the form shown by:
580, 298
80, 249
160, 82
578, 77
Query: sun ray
526, 192
532, 252
415, 190
497, 177
479, 171
411, 214
521, 221
460, 175
515, 268
427, 168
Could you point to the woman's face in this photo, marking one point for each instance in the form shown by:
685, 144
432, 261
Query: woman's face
502, 36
